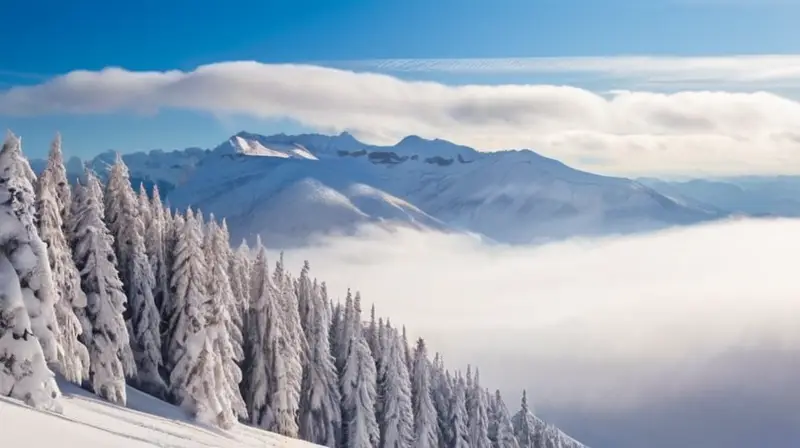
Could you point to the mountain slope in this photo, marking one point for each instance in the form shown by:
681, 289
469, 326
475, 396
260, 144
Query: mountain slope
288, 188
88, 421
756, 195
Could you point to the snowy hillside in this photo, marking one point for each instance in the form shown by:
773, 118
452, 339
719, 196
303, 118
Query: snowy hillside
88, 421
756, 195
290, 187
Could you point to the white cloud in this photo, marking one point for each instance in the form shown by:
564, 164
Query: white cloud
600, 328
625, 132
768, 71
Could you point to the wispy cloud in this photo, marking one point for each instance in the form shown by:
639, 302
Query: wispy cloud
683, 338
753, 70
622, 132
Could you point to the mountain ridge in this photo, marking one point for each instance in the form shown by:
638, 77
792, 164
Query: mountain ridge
514, 196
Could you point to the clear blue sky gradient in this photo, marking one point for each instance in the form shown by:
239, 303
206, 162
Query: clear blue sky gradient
49, 37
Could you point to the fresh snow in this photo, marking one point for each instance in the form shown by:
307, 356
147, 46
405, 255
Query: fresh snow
88, 421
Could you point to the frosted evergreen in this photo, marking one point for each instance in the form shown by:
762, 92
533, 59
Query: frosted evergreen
107, 338
396, 417
320, 417
426, 425
70, 303
458, 431
126, 218
197, 377
156, 228
478, 412
501, 431
28, 253
358, 384
226, 336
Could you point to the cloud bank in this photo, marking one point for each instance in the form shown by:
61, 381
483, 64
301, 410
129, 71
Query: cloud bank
688, 337
760, 71
624, 132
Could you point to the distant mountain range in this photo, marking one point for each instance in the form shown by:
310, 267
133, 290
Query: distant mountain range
288, 188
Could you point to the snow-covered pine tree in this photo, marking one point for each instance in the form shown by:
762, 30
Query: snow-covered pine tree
173, 226
257, 380
156, 229
478, 415
292, 346
127, 225
320, 404
107, 338
458, 435
239, 271
407, 351
28, 253
343, 332
335, 336
525, 426
194, 380
55, 163
426, 425
501, 431
70, 303
441, 393
360, 428
226, 337
23, 369
121, 206
396, 419
372, 332
225, 255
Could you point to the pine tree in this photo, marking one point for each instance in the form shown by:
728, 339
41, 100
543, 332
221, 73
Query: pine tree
121, 206
478, 415
55, 164
124, 213
501, 431
70, 302
397, 419
270, 393
425, 418
360, 428
23, 369
156, 228
30, 259
458, 430
172, 228
234, 303
227, 339
525, 426
257, 382
441, 392
195, 377
320, 412
239, 271
291, 348
407, 351
107, 338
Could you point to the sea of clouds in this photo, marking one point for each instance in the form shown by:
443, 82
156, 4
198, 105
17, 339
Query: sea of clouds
682, 338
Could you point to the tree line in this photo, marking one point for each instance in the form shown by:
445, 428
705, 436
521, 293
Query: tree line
110, 288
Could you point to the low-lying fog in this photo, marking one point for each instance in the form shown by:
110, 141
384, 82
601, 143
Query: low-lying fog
683, 338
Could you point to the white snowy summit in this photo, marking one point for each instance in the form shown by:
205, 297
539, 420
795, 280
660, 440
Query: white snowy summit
289, 187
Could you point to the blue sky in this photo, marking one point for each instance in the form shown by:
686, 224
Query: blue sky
53, 38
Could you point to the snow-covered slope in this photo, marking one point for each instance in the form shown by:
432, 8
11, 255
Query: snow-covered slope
288, 188
750, 195
88, 421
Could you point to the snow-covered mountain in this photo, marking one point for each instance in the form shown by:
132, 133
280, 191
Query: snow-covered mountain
748, 195
287, 188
